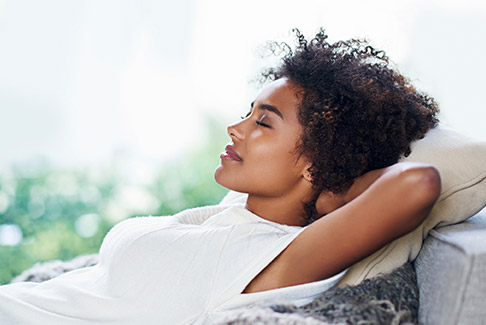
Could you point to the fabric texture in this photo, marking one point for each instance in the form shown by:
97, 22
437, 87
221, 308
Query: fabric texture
461, 164
386, 299
44, 271
164, 270
451, 272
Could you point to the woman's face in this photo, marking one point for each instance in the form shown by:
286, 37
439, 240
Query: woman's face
261, 158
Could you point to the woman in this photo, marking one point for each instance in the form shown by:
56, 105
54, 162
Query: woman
317, 156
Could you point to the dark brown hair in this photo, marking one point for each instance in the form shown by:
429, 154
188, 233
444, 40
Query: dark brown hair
357, 112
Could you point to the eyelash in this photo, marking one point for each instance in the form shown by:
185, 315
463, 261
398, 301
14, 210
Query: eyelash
262, 124
257, 122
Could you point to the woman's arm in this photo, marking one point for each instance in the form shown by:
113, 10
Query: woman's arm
380, 206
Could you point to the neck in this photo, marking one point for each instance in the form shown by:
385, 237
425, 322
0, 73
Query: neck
287, 210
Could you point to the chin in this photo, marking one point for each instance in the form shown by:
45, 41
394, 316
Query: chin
226, 180
219, 177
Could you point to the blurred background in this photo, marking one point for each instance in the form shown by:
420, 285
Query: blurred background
111, 109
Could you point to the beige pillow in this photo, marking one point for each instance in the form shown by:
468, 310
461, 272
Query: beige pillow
461, 162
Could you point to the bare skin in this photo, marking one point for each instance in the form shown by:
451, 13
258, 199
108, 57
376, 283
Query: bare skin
270, 171
380, 206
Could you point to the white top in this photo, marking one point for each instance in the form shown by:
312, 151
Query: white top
164, 270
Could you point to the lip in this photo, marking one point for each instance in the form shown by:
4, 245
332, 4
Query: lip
230, 154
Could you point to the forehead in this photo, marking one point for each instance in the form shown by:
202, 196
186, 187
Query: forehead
281, 93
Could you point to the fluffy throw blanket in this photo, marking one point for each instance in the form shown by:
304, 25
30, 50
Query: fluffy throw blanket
387, 299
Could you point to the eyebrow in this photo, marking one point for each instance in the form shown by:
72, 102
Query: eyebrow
270, 108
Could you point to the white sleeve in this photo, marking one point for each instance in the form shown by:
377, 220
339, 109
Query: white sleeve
197, 216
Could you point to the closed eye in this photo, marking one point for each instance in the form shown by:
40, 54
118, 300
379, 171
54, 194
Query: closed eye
259, 123
262, 124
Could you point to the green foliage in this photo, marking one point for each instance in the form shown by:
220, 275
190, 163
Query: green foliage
64, 213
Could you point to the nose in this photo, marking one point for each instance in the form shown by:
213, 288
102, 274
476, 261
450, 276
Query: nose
235, 131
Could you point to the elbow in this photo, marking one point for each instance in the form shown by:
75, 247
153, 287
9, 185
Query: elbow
429, 184
433, 182
424, 187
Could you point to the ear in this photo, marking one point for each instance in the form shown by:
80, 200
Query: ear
307, 174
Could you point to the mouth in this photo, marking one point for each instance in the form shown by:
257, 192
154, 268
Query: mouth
230, 154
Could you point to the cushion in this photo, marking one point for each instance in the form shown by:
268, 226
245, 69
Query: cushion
451, 272
461, 164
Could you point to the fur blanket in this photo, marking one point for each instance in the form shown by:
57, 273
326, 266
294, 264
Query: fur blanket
387, 299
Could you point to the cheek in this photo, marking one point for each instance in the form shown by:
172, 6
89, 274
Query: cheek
278, 166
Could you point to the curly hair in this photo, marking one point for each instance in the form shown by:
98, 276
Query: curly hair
357, 113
